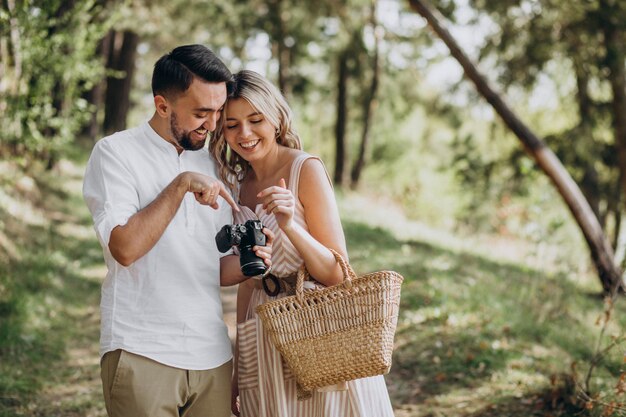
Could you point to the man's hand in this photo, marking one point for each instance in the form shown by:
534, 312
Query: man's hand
207, 189
142, 231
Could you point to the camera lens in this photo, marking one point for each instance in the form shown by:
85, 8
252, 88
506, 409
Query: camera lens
251, 264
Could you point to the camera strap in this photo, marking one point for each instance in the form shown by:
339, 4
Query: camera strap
275, 290
273, 285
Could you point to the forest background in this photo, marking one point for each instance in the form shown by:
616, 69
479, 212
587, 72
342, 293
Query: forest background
504, 219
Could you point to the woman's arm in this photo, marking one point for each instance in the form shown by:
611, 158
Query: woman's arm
322, 218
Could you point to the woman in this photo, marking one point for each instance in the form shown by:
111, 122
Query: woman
259, 155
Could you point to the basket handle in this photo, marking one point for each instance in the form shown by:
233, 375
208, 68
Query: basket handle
303, 273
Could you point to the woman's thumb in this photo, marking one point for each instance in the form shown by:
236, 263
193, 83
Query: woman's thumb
282, 183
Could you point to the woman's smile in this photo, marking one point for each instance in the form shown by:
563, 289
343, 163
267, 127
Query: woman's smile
249, 145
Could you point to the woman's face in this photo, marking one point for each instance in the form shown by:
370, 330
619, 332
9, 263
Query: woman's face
247, 131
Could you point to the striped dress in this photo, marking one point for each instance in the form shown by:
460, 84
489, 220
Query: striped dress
266, 386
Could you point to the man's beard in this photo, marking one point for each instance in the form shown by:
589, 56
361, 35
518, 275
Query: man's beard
184, 138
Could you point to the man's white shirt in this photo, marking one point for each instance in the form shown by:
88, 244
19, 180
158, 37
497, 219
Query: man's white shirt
165, 306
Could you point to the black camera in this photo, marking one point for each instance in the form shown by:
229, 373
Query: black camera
244, 236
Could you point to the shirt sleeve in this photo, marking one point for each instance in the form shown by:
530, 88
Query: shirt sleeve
109, 191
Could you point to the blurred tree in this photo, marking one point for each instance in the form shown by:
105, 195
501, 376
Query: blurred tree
355, 66
369, 101
121, 46
601, 251
92, 128
342, 116
378, 45
588, 38
48, 60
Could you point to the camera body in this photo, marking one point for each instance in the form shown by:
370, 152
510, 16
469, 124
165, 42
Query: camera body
245, 237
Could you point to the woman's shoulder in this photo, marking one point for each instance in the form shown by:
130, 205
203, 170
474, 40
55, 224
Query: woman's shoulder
293, 154
312, 171
300, 157
303, 163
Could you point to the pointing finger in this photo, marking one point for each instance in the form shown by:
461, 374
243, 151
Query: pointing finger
229, 199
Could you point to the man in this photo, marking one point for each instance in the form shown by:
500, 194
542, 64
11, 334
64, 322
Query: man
157, 206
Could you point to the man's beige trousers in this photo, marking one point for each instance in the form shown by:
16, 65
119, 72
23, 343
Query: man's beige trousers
135, 386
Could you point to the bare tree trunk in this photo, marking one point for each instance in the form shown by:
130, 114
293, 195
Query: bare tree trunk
370, 102
280, 49
12, 66
95, 96
613, 39
122, 57
15, 45
4, 63
615, 206
342, 115
589, 184
601, 251
59, 103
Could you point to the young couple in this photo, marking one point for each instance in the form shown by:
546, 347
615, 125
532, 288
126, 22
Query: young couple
158, 197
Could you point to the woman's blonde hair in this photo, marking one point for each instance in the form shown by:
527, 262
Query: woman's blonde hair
266, 99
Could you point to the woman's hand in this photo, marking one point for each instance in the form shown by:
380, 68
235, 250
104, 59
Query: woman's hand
234, 399
265, 252
280, 201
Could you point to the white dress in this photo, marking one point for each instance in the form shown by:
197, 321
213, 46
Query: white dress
266, 386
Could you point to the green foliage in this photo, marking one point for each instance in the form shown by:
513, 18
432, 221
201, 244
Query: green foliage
559, 46
49, 62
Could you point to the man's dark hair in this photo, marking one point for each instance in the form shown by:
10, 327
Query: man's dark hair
174, 72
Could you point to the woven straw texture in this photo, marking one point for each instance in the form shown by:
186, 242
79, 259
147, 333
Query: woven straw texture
338, 333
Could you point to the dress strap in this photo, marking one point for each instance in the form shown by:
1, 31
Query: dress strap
296, 167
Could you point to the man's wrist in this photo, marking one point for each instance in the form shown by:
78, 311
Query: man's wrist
182, 182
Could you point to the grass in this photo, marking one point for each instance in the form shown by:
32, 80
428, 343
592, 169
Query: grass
479, 334
482, 337
48, 300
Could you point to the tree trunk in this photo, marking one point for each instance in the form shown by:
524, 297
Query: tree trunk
615, 208
122, 55
50, 155
342, 115
600, 249
15, 46
613, 39
589, 184
369, 104
13, 61
95, 96
4, 62
280, 49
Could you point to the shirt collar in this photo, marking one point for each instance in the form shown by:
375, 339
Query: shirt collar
157, 139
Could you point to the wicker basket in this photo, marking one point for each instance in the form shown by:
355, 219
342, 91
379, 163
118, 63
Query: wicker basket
337, 333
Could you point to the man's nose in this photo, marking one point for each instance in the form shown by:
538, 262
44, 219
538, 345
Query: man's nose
211, 122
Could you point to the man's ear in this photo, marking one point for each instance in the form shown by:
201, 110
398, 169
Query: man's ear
161, 105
